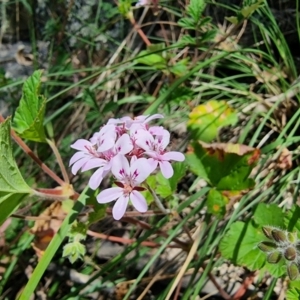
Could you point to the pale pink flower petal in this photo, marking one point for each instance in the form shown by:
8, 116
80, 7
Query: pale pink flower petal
153, 163
81, 144
79, 164
165, 139
166, 169
140, 170
144, 140
109, 195
120, 207
173, 155
124, 144
138, 201
97, 178
120, 167
77, 156
94, 162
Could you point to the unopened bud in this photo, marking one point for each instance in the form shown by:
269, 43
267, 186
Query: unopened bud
267, 231
279, 235
292, 237
290, 253
266, 246
274, 257
293, 271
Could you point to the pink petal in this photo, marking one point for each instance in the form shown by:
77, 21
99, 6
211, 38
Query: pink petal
144, 139
107, 142
94, 162
155, 116
120, 166
79, 164
76, 157
140, 169
109, 195
120, 207
156, 130
124, 144
138, 201
96, 179
173, 155
153, 163
81, 144
166, 169
165, 139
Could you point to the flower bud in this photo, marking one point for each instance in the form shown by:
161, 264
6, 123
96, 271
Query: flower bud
290, 253
292, 237
293, 271
266, 246
274, 257
279, 235
267, 231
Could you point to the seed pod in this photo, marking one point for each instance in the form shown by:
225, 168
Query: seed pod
293, 271
290, 253
292, 237
266, 246
274, 257
279, 235
267, 231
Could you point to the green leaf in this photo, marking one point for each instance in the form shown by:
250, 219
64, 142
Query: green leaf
248, 10
224, 166
240, 245
293, 292
216, 203
74, 251
195, 9
13, 188
206, 119
269, 214
151, 59
29, 116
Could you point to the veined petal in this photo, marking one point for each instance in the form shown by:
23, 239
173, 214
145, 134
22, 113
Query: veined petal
107, 142
138, 201
81, 144
140, 170
120, 207
109, 195
173, 155
78, 164
144, 139
124, 144
96, 179
120, 167
94, 162
156, 130
166, 169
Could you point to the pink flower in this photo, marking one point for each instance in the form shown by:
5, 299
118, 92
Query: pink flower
141, 121
155, 148
122, 146
105, 138
129, 178
87, 155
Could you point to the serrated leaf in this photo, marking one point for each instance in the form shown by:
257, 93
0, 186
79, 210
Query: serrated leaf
74, 251
240, 245
293, 292
206, 119
268, 214
29, 116
13, 188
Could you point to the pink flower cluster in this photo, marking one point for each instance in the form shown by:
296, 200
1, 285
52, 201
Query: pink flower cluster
131, 150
